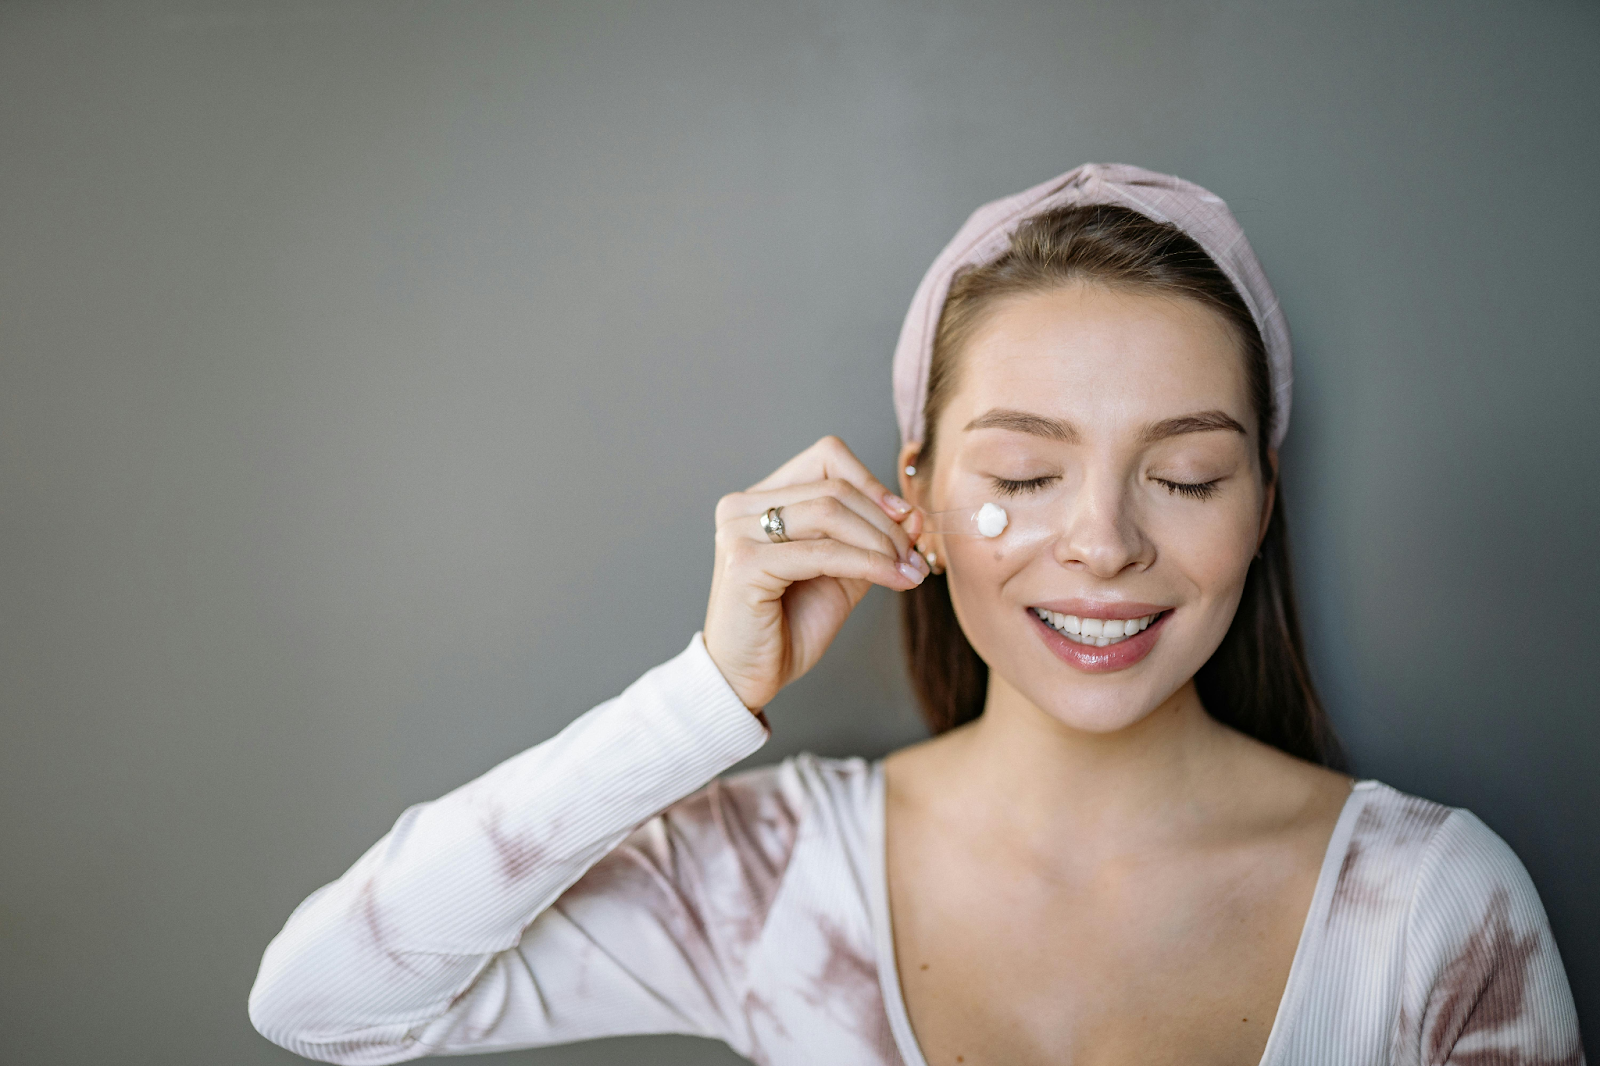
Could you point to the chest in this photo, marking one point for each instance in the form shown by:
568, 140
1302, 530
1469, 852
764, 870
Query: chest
1161, 959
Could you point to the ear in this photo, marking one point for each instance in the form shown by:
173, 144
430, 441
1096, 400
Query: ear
910, 488
1270, 497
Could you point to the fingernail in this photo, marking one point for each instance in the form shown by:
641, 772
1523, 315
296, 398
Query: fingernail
919, 562
895, 503
912, 574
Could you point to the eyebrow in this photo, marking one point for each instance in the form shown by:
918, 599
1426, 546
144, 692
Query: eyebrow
1059, 429
1202, 422
1024, 422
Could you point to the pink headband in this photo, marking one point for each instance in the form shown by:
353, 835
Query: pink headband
1162, 197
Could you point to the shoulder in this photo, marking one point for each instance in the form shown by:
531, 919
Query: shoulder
734, 843
1481, 972
1464, 874
767, 809
800, 789
1435, 863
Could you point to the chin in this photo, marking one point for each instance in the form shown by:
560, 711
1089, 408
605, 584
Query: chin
1099, 708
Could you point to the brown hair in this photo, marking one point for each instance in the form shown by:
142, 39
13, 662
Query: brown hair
1257, 680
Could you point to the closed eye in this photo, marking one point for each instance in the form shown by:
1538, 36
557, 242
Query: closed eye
1008, 487
1203, 490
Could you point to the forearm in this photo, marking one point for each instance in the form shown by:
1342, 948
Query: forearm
390, 947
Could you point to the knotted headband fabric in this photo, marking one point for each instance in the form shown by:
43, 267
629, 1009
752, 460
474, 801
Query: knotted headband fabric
987, 234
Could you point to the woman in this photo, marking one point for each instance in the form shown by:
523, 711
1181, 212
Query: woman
1128, 840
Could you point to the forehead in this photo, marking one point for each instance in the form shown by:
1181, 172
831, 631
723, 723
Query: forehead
1105, 359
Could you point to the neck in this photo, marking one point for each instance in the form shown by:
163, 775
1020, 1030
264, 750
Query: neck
1143, 784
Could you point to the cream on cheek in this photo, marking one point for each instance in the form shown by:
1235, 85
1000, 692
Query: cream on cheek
994, 525
988, 577
978, 569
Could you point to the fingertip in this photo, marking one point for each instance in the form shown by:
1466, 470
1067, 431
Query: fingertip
894, 505
910, 573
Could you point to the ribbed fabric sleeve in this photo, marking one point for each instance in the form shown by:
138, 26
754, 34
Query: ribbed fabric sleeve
1484, 981
1431, 949
434, 940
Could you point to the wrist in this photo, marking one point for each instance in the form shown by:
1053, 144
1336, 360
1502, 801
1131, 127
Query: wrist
738, 686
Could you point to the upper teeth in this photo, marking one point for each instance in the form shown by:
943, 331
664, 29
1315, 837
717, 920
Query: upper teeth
1096, 631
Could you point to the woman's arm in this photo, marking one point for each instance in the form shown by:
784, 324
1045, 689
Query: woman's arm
1487, 984
441, 938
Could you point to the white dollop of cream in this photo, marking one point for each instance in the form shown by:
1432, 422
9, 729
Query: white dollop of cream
991, 520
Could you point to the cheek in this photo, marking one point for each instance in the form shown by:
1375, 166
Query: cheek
1213, 551
995, 558
1205, 557
979, 573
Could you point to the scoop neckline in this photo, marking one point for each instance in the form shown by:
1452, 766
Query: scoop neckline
1305, 952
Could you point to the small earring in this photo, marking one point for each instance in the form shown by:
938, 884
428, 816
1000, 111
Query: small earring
911, 471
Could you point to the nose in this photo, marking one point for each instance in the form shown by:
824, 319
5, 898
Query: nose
1102, 534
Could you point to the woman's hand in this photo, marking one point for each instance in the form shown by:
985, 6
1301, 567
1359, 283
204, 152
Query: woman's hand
775, 608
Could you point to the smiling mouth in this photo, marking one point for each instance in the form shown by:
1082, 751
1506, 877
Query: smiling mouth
1094, 632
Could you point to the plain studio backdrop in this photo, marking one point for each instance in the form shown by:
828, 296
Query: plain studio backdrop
369, 372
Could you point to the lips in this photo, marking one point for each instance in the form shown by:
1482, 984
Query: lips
1099, 652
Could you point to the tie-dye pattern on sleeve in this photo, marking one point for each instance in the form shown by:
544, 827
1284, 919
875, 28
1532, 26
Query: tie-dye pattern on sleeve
1484, 981
1433, 950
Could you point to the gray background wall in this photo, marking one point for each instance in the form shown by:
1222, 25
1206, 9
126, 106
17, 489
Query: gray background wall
369, 370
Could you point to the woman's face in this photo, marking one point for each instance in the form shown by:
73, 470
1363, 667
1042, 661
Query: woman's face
1116, 429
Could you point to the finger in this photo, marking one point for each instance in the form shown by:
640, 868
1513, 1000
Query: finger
803, 560
743, 505
830, 457
912, 524
825, 516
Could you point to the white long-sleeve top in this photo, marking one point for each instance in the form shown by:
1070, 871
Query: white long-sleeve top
607, 882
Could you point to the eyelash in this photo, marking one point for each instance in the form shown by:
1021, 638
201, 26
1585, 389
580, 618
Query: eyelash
1197, 491
1203, 490
1008, 487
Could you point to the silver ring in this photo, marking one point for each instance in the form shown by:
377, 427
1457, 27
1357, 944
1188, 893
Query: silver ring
772, 524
